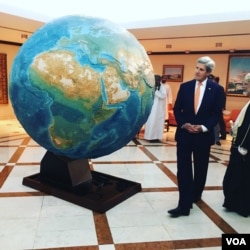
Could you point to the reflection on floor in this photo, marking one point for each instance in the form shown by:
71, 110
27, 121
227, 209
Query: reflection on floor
30, 219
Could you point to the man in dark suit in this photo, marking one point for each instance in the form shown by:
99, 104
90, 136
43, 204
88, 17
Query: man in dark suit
195, 133
222, 125
220, 128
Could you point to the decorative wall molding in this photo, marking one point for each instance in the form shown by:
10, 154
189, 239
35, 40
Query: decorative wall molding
3, 79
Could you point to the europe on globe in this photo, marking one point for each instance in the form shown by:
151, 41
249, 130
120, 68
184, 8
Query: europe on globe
81, 87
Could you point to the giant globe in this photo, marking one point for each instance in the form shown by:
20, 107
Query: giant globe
81, 87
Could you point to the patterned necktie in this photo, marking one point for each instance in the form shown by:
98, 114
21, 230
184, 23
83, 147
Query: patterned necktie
197, 96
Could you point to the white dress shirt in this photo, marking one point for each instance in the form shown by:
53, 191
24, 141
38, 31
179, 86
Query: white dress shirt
202, 90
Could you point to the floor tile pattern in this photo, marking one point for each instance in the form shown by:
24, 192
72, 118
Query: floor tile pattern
30, 219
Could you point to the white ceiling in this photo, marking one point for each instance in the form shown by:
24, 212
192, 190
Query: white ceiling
185, 25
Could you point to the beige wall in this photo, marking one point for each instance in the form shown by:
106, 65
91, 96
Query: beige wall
189, 62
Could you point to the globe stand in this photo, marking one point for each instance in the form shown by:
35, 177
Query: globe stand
73, 181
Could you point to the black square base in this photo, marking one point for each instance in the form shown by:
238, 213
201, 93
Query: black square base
105, 191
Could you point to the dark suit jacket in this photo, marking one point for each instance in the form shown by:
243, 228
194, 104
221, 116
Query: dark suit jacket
207, 115
223, 96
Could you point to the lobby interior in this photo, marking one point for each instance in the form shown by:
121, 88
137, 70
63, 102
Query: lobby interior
31, 219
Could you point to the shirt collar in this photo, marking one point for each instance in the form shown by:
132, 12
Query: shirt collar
204, 83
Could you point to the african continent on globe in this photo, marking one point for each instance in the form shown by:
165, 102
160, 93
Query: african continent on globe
82, 87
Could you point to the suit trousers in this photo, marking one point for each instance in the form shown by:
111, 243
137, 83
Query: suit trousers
222, 125
192, 166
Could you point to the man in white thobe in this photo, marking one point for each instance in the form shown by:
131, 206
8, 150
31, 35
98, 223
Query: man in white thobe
154, 126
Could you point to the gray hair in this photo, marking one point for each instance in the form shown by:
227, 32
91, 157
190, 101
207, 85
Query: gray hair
209, 63
247, 78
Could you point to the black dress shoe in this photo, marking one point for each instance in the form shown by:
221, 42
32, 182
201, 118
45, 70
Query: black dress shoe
154, 141
176, 212
223, 137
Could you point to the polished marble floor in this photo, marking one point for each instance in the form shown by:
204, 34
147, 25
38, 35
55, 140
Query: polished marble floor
30, 219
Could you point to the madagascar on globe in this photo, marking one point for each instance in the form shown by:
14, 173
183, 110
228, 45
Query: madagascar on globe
82, 87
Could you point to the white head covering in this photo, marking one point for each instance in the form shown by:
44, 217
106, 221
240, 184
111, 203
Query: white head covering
241, 115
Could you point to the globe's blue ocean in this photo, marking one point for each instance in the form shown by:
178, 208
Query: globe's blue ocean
82, 87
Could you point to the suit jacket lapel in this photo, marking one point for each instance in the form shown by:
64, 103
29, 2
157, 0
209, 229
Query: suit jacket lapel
207, 94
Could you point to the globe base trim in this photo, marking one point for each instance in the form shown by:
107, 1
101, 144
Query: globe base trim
103, 193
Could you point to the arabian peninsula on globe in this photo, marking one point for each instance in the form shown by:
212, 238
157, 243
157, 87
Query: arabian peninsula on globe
82, 87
